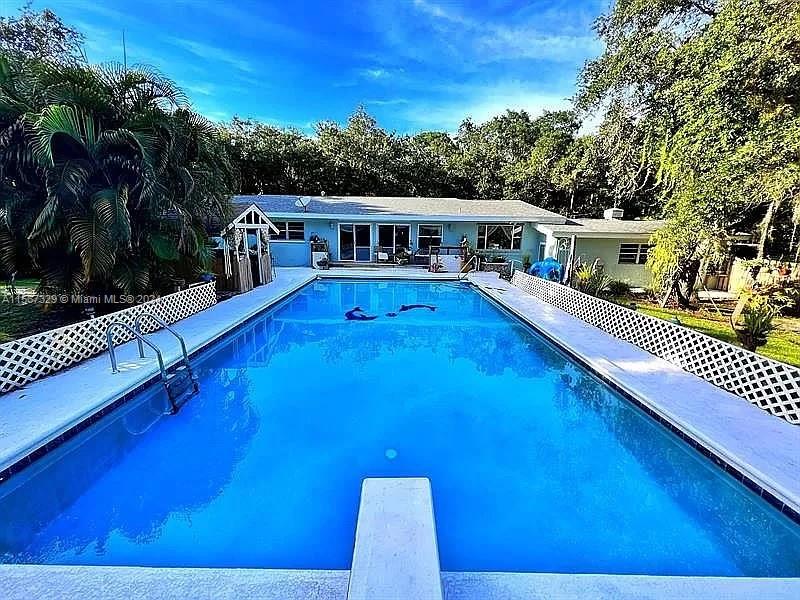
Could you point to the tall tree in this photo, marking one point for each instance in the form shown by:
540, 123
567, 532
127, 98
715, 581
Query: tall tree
107, 178
711, 87
40, 36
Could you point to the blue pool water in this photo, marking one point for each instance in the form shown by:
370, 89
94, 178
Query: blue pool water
534, 464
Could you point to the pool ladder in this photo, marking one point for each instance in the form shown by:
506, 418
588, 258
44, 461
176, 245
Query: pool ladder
181, 383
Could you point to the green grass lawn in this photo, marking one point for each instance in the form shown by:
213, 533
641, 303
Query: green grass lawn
783, 343
18, 320
27, 284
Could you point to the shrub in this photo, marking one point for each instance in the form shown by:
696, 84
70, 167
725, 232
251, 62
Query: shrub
590, 279
617, 287
757, 322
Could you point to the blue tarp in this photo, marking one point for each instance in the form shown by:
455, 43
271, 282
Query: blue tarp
549, 269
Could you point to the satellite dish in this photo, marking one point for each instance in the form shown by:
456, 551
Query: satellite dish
302, 202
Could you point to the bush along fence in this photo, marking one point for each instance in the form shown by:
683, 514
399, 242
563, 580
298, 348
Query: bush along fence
771, 385
30, 358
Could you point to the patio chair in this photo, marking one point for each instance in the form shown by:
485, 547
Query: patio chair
402, 256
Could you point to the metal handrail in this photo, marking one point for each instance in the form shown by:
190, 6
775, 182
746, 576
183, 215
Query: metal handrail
112, 353
466, 264
137, 324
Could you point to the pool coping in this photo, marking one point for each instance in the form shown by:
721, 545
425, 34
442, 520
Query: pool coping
134, 376
305, 583
783, 493
745, 455
23, 582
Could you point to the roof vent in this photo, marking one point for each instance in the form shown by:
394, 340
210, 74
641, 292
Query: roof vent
613, 213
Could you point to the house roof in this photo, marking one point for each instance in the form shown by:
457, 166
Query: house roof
605, 227
385, 208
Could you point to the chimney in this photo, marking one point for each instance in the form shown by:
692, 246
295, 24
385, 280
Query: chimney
613, 213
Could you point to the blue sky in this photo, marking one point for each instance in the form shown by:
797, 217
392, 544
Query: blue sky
414, 64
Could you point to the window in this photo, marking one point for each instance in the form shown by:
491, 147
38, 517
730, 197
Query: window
500, 237
542, 251
392, 237
633, 254
289, 230
429, 236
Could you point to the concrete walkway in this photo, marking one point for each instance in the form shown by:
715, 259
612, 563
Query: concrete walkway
766, 447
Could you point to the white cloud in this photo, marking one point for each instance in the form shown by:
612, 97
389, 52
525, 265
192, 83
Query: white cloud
481, 103
203, 89
213, 53
374, 73
430, 31
387, 102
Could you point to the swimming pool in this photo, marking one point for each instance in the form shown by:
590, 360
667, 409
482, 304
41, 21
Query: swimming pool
535, 465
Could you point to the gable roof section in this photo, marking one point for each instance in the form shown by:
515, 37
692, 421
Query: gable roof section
386, 208
604, 228
250, 214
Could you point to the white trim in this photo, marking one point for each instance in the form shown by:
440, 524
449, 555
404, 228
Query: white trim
394, 232
639, 245
427, 224
589, 234
355, 247
421, 219
285, 230
236, 221
510, 224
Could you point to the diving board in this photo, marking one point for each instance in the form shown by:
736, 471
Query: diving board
395, 556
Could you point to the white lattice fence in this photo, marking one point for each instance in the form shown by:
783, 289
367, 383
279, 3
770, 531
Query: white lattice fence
33, 357
769, 384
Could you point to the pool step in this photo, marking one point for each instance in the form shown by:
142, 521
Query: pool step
395, 556
181, 385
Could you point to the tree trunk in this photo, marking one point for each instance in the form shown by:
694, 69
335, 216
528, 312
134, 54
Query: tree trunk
683, 283
665, 298
685, 288
766, 225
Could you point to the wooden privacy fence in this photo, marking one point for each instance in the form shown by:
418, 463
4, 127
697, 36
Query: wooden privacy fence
30, 358
771, 385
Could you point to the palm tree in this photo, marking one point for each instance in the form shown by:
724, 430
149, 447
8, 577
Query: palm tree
107, 178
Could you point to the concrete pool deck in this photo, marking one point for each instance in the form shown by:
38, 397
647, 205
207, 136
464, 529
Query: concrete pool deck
34, 582
763, 445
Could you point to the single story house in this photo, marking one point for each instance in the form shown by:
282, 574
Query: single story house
371, 229
359, 228
622, 246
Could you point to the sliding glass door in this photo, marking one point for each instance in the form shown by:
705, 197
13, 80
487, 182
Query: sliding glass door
355, 242
392, 238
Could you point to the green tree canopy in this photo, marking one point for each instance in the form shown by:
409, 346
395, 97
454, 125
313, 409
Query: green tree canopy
107, 178
709, 89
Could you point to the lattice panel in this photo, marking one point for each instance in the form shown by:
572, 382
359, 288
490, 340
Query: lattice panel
769, 384
33, 357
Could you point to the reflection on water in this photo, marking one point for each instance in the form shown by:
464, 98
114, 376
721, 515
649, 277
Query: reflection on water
534, 464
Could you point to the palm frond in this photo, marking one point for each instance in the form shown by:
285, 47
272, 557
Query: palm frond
59, 120
94, 244
111, 207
